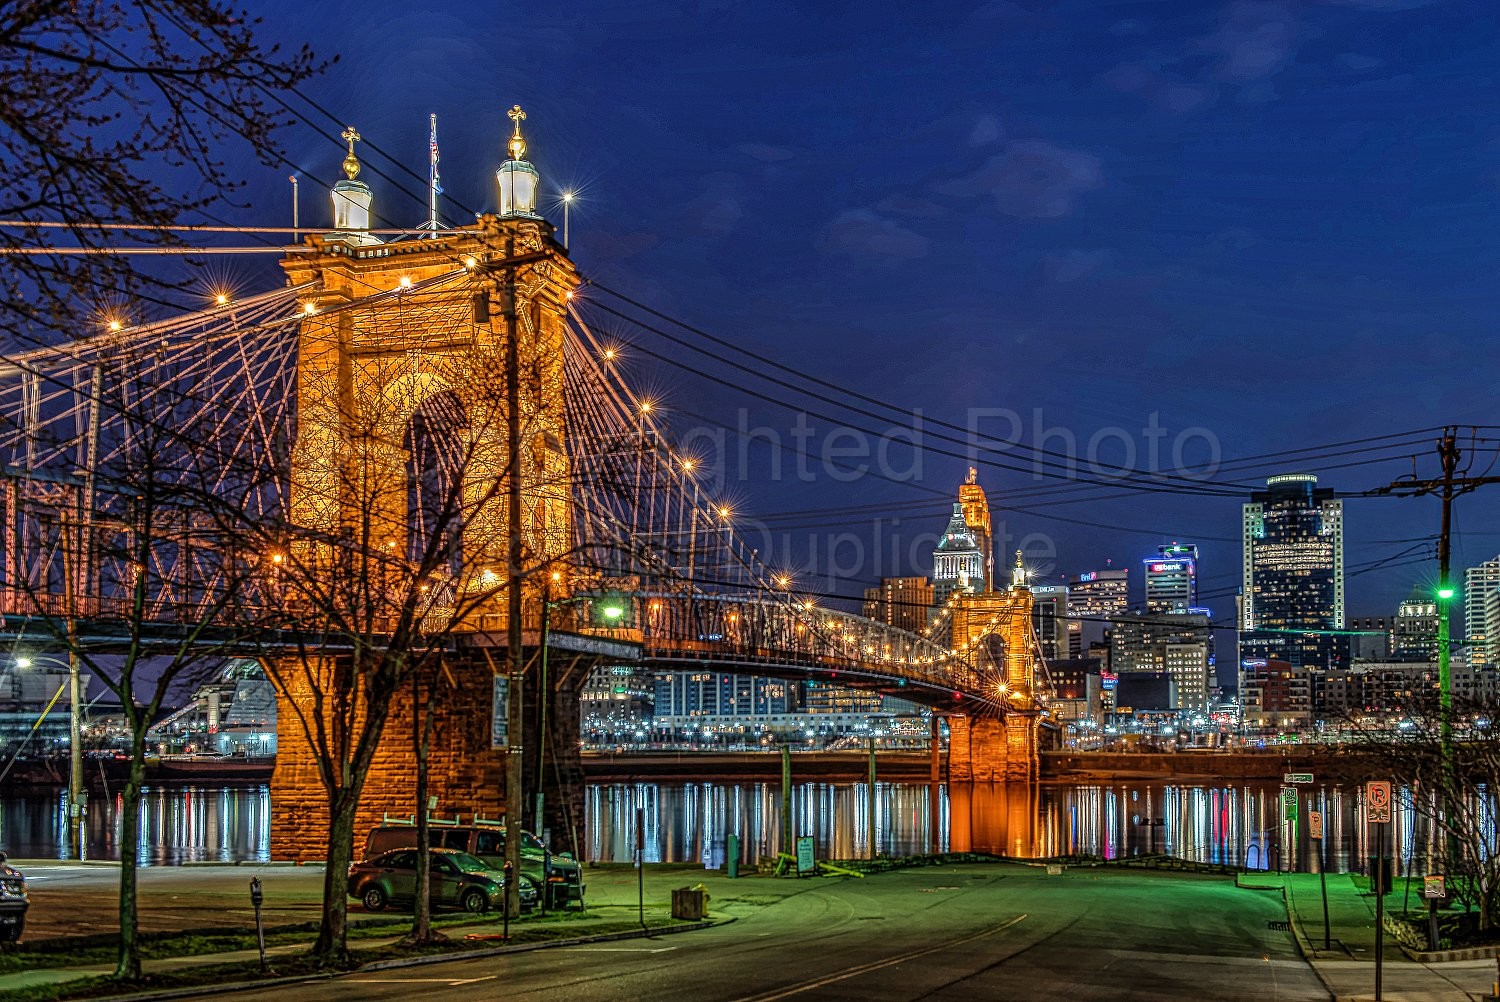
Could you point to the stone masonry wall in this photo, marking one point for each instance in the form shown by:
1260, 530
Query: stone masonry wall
467, 776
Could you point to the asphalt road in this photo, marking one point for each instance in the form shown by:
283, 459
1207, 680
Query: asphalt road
970, 932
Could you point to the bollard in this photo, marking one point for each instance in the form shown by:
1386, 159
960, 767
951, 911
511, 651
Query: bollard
732, 855
260, 930
505, 925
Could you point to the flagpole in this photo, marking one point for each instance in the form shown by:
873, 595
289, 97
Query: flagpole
433, 185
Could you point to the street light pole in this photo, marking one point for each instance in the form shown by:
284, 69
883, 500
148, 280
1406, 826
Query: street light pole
75, 703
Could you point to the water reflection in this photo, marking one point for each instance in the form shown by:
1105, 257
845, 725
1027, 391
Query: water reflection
1233, 825
1237, 826
178, 825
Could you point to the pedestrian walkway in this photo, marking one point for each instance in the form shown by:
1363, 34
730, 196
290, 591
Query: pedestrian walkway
1344, 955
614, 897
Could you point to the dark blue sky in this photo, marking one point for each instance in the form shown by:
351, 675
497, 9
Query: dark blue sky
1275, 222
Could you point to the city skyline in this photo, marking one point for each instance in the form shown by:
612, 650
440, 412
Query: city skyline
1144, 218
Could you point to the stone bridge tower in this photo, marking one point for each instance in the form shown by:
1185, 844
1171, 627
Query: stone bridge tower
401, 366
990, 745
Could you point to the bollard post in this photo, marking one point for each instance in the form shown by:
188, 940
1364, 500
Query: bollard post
640, 862
732, 855
505, 925
870, 802
260, 930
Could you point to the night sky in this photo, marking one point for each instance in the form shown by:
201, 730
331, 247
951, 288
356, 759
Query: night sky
1275, 223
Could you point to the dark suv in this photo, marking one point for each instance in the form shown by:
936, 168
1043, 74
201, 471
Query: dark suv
13, 902
557, 876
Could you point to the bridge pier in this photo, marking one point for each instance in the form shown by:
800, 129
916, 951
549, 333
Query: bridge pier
990, 749
466, 775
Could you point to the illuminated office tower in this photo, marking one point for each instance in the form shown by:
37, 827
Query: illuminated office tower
1172, 578
1292, 600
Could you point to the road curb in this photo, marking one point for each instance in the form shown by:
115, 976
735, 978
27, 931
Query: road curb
188, 991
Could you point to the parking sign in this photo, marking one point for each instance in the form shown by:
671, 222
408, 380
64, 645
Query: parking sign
1378, 802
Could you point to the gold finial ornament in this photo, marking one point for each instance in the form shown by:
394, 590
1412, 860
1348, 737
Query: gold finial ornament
351, 162
517, 145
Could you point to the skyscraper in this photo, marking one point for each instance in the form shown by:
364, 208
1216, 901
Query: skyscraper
977, 517
1415, 635
1094, 599
1049, 620
1172, 578
1479, 582
964, 558
1292, 603
902, 602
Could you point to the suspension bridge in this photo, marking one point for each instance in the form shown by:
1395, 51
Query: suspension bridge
407, 424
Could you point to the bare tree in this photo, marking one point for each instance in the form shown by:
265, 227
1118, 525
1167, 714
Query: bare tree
116, 114
133, 567
1454, 792
387, 559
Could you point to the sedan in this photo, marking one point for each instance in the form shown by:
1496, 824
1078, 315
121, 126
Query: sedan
458, 880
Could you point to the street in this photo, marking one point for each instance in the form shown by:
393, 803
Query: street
967, 932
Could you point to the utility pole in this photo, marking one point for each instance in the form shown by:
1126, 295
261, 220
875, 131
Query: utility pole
514, 793
1449, 486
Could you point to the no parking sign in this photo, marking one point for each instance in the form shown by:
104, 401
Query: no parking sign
1378, 802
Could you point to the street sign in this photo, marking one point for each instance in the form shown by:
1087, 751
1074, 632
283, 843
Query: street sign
1314, 824
500, 713
805, 861
1289, 803
1378, 802
1297, 778
1432, 886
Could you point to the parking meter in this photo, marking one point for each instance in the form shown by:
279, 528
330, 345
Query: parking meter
256, 897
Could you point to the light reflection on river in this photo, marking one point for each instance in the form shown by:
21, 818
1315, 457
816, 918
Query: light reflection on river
1235, 825
179, 824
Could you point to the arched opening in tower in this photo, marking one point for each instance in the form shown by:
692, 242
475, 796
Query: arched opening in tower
436, 440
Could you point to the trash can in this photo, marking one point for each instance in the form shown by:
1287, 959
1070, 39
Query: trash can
690, 903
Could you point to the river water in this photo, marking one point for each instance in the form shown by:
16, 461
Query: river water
1237, 825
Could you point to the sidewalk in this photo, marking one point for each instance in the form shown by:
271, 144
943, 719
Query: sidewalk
613, 900
1347, 965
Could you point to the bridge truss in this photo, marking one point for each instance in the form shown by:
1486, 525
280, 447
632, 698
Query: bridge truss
127, 455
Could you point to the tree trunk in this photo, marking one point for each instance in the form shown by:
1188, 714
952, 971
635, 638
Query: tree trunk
422, 723
128, 966
331, 949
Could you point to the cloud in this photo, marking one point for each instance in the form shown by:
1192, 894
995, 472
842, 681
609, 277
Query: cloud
1254, 41
766, 153
865, 233
1359, 62
986, 130
906, 205
1074, 265
1383, 4
1032, 179
716, 210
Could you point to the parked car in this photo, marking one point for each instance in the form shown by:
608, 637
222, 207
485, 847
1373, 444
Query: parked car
556, 874
13, 902
458, 880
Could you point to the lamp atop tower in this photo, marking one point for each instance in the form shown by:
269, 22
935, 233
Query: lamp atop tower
351, 198
518, 180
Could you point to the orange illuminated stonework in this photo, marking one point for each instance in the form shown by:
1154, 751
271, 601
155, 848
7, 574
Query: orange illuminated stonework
989, 745
393, 332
